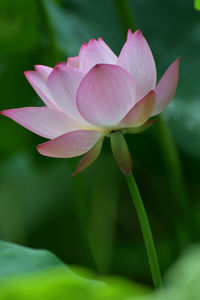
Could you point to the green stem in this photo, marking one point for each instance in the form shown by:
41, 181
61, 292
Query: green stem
146, 230
167, 145
125, 15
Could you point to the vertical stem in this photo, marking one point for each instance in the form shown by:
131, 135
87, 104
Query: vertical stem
167, 145
146, 230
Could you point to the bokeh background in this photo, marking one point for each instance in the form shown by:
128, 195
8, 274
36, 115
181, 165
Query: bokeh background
89, 220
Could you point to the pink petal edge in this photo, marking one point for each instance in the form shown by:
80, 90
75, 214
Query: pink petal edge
89, 157
166, 87
38, 82
71, 144
95, 52
43, 121
136, 57
140, 112
63, 83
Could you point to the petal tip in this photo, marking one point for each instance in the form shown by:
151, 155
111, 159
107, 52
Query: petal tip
152, 92
136, 33
91, 41
84, 45
7, 112
39, 149
130, 34
36, 67
179, 60
3, 112
28, 74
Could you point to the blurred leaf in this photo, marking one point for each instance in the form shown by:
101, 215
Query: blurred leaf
17, 260
68, 30
49, 279
37, 274
58, 284
182, 281
184, 119
197, 4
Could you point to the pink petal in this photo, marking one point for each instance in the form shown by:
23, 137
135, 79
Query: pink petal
43, 121
141, 111
95, 52
63, 83
89, 157
166, 87
43, 70
137, 59
73, 62
105, 95
71, 144
38, 81
61, 64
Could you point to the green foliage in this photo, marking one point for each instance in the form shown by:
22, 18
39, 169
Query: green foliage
37, 274
46, 277
18, 260
89, 220
197, 4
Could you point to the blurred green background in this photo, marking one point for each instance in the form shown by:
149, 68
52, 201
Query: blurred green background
89, 220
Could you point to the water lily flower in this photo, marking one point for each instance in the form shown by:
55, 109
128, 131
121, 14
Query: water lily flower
96, 94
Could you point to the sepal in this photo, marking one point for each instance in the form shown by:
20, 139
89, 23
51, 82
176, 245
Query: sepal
136, 130
121, 152
89, 157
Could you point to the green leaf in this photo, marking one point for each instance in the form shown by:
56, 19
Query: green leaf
27, 274
17, 260
197, 4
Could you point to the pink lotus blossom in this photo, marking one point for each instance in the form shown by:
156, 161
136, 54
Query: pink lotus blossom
93, 95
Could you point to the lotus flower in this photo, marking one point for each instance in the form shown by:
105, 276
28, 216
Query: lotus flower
96, 94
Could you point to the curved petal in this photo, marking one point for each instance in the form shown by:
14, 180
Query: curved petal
43, 70
61, 64
43, 121
63, 83
137, 59
71, 144
166, 87
105, 95
73, 62
89, 157
95, 52
38, 81
141, 111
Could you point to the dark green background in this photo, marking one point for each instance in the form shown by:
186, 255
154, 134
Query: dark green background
89, 220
